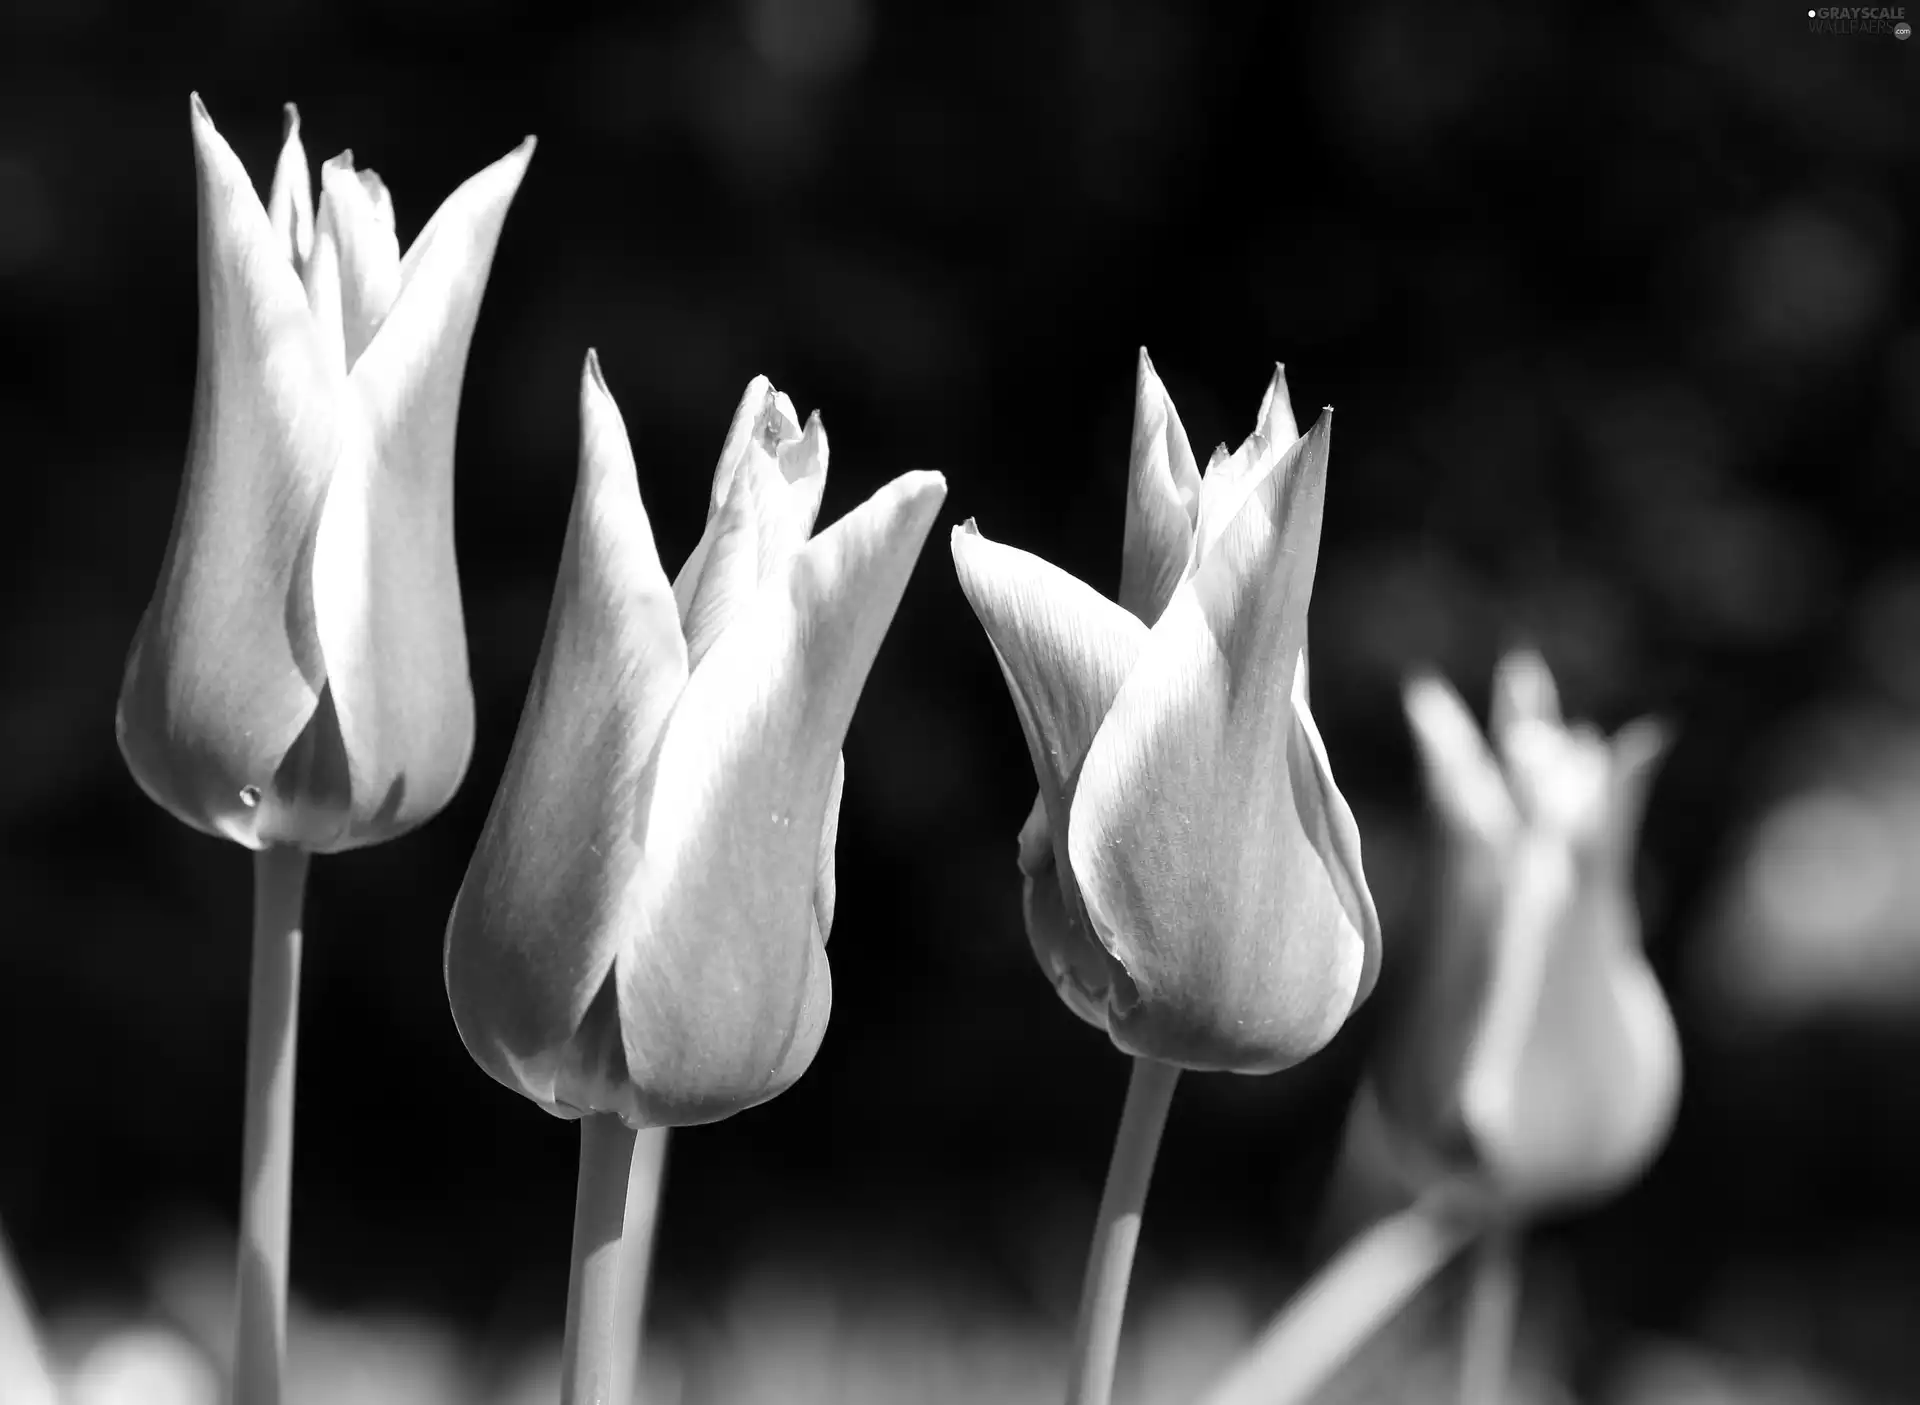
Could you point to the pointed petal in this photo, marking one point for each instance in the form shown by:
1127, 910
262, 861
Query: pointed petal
385, 580
320, 273
1064, 650
1523, 693
724, 572
226, 670
723, 984
1186, 832
534, 930
1637, 751
360, 211
1163, 500
1232, 478
1464, 781
290, 206
767, 491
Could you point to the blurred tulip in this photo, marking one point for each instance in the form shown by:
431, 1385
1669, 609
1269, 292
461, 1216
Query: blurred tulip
1193, 882
1537, 1055
300, 676
642, 928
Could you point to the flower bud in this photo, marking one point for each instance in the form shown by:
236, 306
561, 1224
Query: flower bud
300, 675
642, 929
1193, 877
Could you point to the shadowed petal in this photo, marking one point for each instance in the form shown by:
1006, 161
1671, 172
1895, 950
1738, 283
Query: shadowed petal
226, 670
385, 581
723, 984
1186, 833
534, 930
360, 211
290, 206
1082, 973
1163, 500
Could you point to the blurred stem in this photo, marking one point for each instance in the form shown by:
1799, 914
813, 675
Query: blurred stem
24, 1379
597, 1359
266, 1158
1103, 1296
1355, 1295
1492, 1308
636, 1240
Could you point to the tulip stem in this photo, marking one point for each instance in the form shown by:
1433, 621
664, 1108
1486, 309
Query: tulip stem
597, 1359
1103, 1296
266, 1158
1492, 1307
636, 1239
1375, 1275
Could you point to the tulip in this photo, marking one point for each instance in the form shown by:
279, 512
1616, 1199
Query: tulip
1538, 1057
298, 682
1192, 875
300, 676
640, 937
1536, 1065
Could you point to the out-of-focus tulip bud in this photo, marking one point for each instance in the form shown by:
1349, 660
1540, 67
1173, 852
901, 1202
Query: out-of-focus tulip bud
1193, 879
300, 676
642, 928
1536, 1055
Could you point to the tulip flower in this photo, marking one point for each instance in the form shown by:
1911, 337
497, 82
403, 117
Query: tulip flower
1538, 1057
1535, 1066
1192, 875
300, 676
298, 682
640, 938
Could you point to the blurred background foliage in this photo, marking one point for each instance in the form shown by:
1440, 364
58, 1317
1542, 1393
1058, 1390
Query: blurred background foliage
1617, 307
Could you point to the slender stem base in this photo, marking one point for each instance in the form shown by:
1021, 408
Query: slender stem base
1103, 1297
597, 1359
636, 1240
1349, 1300
1492, 1310
266, 1158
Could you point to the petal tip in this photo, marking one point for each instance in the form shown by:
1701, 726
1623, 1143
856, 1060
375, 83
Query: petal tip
289, 121
197, 110
592, 373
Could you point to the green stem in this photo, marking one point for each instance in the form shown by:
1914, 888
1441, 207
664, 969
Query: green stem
636, 1240
1492, 1308
1357, 1293
1103, 1297
266, 1159
596, 1362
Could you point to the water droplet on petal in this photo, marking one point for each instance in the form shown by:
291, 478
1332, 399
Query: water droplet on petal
249, 795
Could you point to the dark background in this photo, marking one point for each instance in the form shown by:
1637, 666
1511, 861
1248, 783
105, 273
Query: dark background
1616, 305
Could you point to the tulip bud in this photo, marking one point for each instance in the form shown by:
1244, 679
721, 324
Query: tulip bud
1193, 882
1537, 1054
642, 928
300, 675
